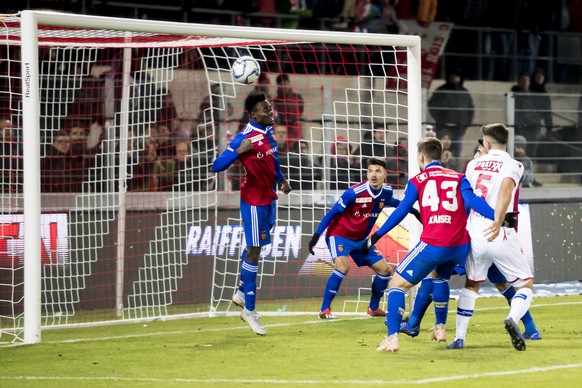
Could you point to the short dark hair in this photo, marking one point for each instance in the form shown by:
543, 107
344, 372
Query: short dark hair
431, 147
444, 132
253, 99
282, 78
497, 131
376, 162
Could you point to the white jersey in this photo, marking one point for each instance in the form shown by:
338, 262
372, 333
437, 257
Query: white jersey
485, 175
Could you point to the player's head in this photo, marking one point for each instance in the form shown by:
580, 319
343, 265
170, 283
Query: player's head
282, 79
376, 172
259, 108
430, 149
495, 136
479, 150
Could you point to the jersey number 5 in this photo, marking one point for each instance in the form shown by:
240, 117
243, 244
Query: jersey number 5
448, 192
481, 185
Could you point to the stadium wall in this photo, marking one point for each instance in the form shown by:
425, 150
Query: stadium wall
555, 236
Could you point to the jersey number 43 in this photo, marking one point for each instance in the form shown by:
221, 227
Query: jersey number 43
445, 197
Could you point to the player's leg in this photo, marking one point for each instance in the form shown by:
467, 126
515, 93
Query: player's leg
249, 276
424, 298
342, 267
519, 306
334, 282
496, 277
476, 266
509, 259
238, 298
465, 310
441, 292
415, 266
421, 303
257, 225
380, 283
396, 304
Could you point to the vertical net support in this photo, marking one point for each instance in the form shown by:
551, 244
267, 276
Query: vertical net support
141, 228
369, 86
31, 187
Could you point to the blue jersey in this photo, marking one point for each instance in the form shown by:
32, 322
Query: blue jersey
357, 210
263, 171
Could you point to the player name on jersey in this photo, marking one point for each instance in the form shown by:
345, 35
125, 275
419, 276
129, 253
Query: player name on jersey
488, 165
439, 219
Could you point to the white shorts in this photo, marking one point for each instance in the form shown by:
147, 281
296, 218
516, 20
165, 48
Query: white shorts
507, 256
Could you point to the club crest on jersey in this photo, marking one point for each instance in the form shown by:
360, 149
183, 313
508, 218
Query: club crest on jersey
422, 177
381, 204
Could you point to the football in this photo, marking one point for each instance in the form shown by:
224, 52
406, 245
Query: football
245, 70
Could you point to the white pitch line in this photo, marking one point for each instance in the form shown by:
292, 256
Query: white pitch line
196, 331
306, 382
493, 374
286, 324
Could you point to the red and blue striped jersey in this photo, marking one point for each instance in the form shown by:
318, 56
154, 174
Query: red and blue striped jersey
263, 171
357, 210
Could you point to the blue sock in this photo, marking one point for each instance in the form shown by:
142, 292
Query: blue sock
249, 279
527, 319
241, 287
441, 293
421, 303
393, 315
331, 288
378, 287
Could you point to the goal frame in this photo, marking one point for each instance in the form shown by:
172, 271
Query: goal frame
30, 21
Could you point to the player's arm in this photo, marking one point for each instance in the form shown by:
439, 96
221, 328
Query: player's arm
345, 200
410, 197
239, 145
395, 202
474, 201
481, 206
284, 185
280, 178
503, 201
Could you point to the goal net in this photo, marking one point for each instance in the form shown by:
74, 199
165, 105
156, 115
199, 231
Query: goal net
112, 126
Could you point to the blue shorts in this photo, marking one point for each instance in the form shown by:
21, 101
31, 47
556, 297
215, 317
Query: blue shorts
258, 222
339, 246
424, 258
494, 274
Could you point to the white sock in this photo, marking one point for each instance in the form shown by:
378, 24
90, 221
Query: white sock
520, 303
465, 309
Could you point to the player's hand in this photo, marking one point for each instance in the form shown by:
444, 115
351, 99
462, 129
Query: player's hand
510, 220
313, 242
492, 231
369, 243
245, 146
416, 214
285, 186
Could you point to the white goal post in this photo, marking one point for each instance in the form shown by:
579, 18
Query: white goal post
336, 116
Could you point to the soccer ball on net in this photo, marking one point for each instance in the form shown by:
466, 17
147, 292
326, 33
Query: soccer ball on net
245, 70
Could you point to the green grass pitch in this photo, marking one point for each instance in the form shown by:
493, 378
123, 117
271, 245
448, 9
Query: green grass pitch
302, 350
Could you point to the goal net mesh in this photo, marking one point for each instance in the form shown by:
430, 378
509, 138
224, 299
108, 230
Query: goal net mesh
134, 223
